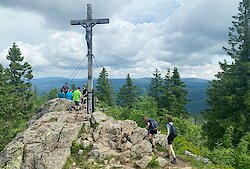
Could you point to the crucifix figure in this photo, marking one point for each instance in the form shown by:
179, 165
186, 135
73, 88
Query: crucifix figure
88, 36
88, 24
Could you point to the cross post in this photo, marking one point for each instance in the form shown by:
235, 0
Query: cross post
88, 24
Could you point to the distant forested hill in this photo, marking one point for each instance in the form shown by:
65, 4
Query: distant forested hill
196, 88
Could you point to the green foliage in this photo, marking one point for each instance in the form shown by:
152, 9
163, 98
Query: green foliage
73, 86
128, 94
200, 165
18, 71
18, 102
53, 93
144, 106
243, 153
161, 148
153, 163
221, 155
228, 115
155, 86
174, 94
116, 112
76, 147
181, 145
78, 159
104, 88
228, 137
191, 132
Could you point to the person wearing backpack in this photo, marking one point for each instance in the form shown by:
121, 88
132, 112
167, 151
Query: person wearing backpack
152, 127
171, 134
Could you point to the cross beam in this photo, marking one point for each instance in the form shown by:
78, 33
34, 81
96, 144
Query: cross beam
92, 21
88, 24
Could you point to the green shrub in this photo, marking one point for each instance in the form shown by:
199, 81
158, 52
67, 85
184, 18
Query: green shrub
180, 144
243, 162
161, 148
153, 163
79, 159
243, 153
221, 155
76, 147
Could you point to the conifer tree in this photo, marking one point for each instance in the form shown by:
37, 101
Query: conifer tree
104, 88
4, 92
19, 71
229, 94
155, 86
128, 93
16, 96
174, 96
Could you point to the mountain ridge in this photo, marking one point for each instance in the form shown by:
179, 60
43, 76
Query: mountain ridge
196, 88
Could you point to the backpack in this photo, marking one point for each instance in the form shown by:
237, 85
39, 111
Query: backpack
173, 131
154, 124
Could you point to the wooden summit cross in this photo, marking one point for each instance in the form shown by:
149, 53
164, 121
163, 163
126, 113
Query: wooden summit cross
88, 24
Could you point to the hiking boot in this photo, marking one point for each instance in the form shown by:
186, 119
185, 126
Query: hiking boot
174, 161
168, 157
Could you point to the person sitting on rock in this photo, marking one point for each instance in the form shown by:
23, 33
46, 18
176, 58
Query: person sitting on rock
65, 88
69, 95
61, 95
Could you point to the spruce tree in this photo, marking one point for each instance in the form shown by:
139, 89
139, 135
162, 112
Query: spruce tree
167, 97
155, 86
16, 96
174, 96
104, 88
229, 94
20, 72
128, 94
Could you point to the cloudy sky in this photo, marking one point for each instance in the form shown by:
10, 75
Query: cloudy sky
143, 35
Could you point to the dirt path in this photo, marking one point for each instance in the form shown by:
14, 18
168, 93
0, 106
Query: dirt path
181, 164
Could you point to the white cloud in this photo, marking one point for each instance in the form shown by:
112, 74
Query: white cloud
142, 35
19, 25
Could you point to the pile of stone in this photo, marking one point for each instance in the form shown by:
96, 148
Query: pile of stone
46, 142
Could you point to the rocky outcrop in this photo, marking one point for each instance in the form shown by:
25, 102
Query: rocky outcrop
114, 136
47, 141
57, 104
197, 157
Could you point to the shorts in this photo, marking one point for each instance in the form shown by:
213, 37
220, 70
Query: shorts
153, 131
170, 140
77, 103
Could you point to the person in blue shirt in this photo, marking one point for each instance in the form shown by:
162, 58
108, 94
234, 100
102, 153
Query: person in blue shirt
69, 95
61, 95
170, 139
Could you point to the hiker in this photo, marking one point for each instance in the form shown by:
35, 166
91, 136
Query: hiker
76, 98
65, 88
152, 126
84, 95
69, 95
170, 139
61, 95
